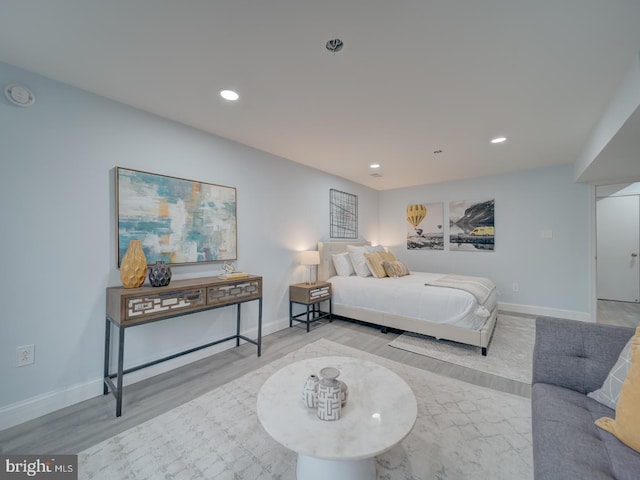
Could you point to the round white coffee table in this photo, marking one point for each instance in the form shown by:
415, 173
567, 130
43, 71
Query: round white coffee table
380, 412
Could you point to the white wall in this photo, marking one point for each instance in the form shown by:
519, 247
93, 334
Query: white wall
593, 165
552, 274
58, 235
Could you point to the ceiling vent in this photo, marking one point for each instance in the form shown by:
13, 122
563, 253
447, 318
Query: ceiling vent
334, 45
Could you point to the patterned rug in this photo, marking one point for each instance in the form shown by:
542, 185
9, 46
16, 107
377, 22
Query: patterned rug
509, 355
462, 431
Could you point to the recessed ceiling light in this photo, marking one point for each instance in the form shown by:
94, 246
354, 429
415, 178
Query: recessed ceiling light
374, 165
229, 95
498, 140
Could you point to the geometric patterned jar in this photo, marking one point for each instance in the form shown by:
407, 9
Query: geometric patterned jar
133, 269
159, 274
310, 391
329, 395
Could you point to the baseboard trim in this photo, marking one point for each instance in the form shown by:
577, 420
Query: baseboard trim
34, 407
546, 311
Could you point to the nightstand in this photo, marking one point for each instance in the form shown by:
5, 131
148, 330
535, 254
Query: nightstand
309, 295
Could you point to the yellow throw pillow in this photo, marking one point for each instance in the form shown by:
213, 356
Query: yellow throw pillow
626, 426
375, 259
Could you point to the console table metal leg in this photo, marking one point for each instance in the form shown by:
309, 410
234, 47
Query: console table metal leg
290, 313
238, 325
308, 318
260, 325
120, 371
107, 345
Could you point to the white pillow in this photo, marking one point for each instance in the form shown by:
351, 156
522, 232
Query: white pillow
609, 393
358, 260
342, 262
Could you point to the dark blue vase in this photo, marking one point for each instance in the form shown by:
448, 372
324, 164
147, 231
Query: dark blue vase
159, 274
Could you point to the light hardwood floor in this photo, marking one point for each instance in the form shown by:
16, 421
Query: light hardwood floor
624, 314
80, 426
73, 429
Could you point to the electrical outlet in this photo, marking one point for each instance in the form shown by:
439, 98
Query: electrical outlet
515, 287
25, 355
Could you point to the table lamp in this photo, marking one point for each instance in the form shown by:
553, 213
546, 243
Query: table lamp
310, 258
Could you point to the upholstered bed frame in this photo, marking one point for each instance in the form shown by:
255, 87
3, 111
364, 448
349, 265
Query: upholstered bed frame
479, 338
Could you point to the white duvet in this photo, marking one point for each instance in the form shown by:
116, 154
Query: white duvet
409, 297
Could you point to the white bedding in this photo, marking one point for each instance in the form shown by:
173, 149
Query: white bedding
409, 297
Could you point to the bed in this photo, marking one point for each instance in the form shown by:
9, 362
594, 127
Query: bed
409, 302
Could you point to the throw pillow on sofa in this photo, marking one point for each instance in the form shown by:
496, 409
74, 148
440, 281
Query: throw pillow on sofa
610, 391
625, 425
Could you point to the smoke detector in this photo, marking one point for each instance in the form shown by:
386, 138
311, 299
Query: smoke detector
19, 95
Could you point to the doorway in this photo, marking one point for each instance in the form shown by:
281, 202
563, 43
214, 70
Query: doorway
618, 243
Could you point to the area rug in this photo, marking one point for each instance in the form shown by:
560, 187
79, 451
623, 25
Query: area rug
463, 431
509, 355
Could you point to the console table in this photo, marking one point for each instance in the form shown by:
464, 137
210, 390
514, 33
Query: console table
128, 307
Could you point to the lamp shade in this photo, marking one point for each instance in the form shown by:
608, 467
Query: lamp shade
310, 257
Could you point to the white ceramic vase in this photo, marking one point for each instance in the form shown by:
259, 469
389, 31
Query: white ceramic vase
310, 391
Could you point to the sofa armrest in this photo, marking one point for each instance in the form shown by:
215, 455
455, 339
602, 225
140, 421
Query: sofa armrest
576, 355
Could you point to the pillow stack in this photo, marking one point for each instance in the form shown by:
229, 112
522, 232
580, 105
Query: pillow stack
375, 262
367, 261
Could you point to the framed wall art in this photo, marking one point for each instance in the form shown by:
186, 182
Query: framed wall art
178, 221
425, 226
471, 225
343, 214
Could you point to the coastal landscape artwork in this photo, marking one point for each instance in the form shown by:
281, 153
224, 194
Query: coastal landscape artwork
425, 224
178, 221
471, 225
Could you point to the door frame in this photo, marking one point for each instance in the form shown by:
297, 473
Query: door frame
593, 272
592, 267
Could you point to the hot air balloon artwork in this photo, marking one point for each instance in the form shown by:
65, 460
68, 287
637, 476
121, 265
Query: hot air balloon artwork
415, 214
424, 226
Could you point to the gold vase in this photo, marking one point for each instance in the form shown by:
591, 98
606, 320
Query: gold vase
133, 269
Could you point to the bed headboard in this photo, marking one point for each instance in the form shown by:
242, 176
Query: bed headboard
326, 269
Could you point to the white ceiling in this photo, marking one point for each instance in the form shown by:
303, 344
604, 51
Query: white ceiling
414, 75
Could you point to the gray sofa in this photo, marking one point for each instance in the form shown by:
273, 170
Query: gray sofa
571, 359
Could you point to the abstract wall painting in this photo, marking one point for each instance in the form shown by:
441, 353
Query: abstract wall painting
471, 225
178, 221
343, 209
425, 226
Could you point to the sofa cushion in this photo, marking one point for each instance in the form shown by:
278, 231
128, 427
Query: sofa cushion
568, 445
576, 355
